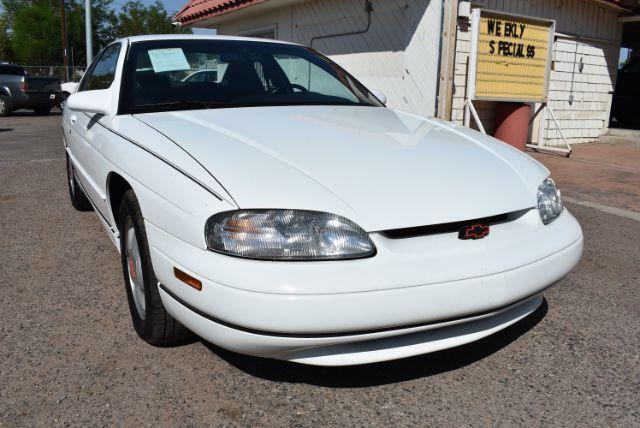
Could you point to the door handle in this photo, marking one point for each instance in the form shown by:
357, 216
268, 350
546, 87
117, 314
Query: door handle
73, 118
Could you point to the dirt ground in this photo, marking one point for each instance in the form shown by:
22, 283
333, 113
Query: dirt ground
599, 173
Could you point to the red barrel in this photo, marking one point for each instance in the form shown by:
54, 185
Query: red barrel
512, 123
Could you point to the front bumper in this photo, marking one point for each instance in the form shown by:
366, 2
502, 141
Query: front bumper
352, 349
438, 306
43, 99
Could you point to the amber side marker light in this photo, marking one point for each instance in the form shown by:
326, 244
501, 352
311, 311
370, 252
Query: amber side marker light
187, 279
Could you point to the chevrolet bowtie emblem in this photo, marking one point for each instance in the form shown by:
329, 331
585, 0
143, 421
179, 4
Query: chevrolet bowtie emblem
474, 231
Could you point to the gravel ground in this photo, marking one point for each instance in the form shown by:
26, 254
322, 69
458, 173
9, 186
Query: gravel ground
71, 357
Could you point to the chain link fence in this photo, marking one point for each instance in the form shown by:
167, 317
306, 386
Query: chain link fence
74, 73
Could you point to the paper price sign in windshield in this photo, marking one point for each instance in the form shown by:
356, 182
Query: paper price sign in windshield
171, 59
510, 57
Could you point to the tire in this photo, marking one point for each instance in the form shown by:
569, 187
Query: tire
79, 200
150, 319
42, 110
5, 106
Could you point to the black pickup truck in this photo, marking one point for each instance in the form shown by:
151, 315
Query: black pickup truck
20, 91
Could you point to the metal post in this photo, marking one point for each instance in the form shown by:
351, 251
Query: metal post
65, 50
88, 32
447, 58
541, 146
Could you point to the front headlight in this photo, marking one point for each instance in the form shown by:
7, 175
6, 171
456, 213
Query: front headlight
287, 235
549, 201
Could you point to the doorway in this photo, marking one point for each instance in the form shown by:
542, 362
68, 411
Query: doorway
626, 96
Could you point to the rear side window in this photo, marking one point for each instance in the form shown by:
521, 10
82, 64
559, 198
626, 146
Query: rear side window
12, 70
102, 74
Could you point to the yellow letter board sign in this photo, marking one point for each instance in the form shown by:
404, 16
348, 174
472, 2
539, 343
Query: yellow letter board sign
510, 57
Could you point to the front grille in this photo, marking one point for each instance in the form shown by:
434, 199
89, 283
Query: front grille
434, 229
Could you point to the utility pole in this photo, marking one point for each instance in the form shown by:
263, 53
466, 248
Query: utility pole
88, 34
65, 50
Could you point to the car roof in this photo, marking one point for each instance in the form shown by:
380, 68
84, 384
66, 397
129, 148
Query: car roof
152, 37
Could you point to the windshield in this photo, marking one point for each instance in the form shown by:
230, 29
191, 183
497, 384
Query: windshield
196, 74
12, 70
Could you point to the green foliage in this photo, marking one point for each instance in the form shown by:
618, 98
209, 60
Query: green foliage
11, 6
103, 21
30, 29
7, 14
6, 52
36, 35
135, 19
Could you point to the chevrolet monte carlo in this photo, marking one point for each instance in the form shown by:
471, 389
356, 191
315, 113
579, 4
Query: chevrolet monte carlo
277, 208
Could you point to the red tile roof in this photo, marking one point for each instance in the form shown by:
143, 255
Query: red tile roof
197, 10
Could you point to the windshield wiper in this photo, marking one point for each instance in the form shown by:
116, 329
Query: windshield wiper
197, 104
178, 104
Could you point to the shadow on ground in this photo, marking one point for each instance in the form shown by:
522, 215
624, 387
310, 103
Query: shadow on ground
381, 373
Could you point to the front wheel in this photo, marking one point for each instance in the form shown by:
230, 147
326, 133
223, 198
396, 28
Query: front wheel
150, 319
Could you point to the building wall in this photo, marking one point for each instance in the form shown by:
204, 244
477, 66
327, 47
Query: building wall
578, 94
398, 55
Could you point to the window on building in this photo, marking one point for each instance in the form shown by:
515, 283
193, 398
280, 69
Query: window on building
261, 33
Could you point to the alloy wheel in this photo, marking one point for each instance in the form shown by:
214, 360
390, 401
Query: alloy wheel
134, 268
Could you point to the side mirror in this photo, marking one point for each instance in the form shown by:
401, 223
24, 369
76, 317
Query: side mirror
379, 95
98, 101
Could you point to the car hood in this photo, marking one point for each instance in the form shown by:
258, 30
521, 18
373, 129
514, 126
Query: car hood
381, 168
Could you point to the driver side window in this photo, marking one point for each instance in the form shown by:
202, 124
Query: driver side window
102, 73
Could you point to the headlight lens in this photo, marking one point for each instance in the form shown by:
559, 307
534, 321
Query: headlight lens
549, 201
287, 235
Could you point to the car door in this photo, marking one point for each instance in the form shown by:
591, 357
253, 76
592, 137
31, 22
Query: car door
88, 130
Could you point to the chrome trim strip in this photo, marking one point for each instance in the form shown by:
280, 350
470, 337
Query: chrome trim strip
165, 160
187, 153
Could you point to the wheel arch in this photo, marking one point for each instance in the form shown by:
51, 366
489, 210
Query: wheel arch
117, 185
169, 196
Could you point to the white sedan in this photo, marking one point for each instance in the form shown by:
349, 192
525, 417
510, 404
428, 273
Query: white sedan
283, 211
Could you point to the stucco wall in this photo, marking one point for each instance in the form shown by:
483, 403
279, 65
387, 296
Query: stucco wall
398, 55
